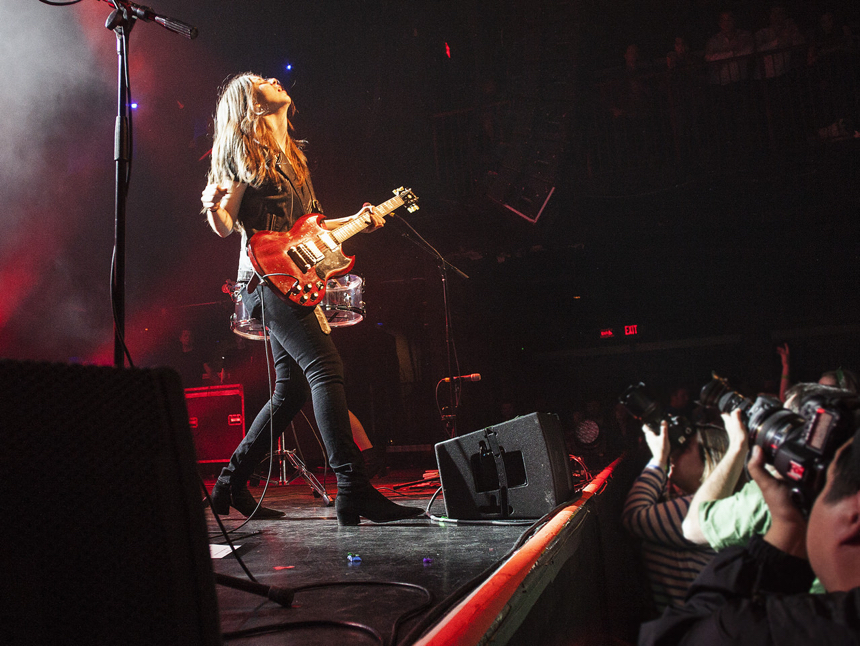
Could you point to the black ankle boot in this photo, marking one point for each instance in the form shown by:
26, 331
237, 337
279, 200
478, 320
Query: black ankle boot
369, 503
225, 496
221, 499
244, 503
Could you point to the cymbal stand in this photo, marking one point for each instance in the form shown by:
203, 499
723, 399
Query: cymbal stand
301, 471
307, 476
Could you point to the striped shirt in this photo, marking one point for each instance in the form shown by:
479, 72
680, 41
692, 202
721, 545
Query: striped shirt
653, 512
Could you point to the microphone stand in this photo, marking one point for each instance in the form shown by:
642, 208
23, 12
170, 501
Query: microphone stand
121, 21
449, 413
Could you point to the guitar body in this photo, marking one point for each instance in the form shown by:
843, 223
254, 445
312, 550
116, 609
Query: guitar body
297, 263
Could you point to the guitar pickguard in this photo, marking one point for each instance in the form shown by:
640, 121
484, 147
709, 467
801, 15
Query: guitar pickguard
335, 264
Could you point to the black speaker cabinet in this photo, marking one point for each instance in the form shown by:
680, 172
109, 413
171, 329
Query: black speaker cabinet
106, 541
216, 415
517, 469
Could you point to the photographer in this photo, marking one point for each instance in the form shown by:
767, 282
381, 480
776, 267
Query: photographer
756, 594
657, 504
717, 516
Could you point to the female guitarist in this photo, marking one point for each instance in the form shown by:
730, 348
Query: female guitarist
259, 181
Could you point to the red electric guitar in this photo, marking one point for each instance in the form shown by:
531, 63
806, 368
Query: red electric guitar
297, 263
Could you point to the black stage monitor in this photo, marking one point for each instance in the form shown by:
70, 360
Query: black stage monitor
517, 469
106, 541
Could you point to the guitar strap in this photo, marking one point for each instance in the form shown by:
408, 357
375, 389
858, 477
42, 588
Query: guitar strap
253, 282
313, 206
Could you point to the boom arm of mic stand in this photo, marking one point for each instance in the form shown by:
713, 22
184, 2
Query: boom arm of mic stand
428, 248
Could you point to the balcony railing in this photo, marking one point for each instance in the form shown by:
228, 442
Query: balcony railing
709, 113
668, 123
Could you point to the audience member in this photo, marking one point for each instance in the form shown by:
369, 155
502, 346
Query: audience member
729, 44
190, 361
731, 118
682, 90
832, 66
680, 402
781, 34
631, 104
785, 377
719, 516
829, 40
832, 77
758, 594
631, 95
689, 117
840, 378
657, 504
718, 524
680, 56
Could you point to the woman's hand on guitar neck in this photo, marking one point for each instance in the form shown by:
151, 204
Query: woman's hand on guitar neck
368, 214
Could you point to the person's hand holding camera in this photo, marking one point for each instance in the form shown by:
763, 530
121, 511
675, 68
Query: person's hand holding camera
658, 443
737, 432
788, 530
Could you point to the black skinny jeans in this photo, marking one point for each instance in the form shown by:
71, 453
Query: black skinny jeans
297, 338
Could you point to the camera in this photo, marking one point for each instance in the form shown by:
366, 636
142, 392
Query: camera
647, 410
800, 445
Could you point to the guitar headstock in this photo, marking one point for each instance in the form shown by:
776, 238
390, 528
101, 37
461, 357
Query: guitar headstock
409, 198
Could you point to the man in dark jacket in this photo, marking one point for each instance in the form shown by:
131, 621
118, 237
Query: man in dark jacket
759, 594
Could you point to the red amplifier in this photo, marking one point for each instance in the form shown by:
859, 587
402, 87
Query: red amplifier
216, 415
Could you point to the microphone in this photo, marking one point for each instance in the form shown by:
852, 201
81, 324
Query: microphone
475, 376
146, 14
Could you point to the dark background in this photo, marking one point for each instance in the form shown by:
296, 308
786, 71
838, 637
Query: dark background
716, 264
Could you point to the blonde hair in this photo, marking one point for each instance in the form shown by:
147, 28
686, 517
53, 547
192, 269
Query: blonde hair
244, 148
713, 443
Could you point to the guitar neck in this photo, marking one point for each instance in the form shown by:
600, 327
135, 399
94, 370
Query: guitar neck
359, 224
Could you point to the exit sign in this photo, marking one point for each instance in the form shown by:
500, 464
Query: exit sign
609, 333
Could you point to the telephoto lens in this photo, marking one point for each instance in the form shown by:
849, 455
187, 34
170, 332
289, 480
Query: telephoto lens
718, 394
647, 410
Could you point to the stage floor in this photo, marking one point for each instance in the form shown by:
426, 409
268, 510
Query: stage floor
405, 566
